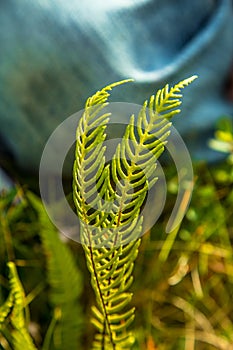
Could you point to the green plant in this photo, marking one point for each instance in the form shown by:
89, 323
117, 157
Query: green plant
110, 232
223, 141
183, 298
65, 283
112, 245
14, 310
24, 223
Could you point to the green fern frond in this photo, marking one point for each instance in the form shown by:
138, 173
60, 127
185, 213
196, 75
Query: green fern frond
134, 164
110, 222
17, 314
64, 280
20, 335
89, 158
111, 271
22, 340
63, 274
166, 99
5, 309
100, 97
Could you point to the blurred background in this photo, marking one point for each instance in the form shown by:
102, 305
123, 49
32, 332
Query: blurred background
53, 55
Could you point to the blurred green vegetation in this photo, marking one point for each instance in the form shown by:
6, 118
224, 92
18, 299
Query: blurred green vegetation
183, 287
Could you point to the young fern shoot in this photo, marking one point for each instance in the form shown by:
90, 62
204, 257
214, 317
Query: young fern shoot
109, 199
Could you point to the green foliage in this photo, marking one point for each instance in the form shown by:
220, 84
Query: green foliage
223, 141
63, 277
186, 302
110, 231
182, 302
167, 100
65, 283
183, 282
5, 309
14, 310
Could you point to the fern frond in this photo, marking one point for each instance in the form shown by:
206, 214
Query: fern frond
134, 165
89, 158
17, 315
22, 340
5, 309
169, 99
100, 97
111, 271
20, 334
64, 280
110, 220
